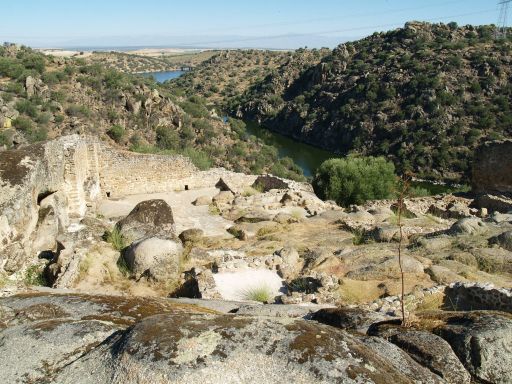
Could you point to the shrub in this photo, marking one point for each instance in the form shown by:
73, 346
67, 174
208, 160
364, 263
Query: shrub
23, 124
166, 138
261, 293
116, 133
354, 180
195, 109
39, 134
115, 238
200, 159
35, 276
26, 107
10, 68
78, 111
43, 118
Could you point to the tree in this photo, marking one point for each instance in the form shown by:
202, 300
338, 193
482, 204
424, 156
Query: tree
354, 180
116, 133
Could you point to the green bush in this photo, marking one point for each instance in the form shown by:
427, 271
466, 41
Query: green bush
78, 111
167, 138
200, 159
115, 238
39, 134
116, 133
27, 107
354, 180
23, 124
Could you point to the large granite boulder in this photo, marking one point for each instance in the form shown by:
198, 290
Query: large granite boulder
148, 218
154, 258
72, 338
492, 167
432, 352
482, 341
354, 319
184, 348
468, 226
41, 333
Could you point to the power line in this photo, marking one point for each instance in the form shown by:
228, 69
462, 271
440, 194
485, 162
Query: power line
373, 27
501, 26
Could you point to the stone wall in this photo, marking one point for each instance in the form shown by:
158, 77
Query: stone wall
125, 173
492, 167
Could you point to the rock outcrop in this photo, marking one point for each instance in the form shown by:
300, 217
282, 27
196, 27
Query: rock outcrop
154, 258
148, 218
492, 168
98, 339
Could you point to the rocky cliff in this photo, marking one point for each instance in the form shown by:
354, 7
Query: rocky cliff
492, 170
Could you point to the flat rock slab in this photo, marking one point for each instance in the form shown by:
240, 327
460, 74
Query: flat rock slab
243, 284
186, 215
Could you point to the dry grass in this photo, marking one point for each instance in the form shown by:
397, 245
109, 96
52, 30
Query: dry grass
357, 291
431, 302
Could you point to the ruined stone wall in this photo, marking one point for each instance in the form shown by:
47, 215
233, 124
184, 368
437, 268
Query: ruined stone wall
126, 173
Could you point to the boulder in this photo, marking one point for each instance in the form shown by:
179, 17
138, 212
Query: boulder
266, 183
180, 347
434, 353
503, 240
492, 167
285, 218
155, 258
148, 218
493, 202
443, 275
30, 84
41, 333
192, 235
482, 341
292, 263
384, 233
255, 216
224, 197
401, 361
202, 200
355, 319
468, 226
434, 243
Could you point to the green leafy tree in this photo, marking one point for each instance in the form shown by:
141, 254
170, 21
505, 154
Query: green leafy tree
116, 133
353, 180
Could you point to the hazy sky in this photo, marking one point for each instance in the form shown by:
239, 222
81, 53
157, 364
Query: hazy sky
228, 23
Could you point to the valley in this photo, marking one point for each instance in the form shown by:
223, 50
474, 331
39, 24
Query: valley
259, 216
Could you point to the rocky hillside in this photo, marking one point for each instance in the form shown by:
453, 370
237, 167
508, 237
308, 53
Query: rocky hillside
45, 97
425, 95
228, 74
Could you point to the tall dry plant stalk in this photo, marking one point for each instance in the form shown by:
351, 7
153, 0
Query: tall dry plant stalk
403, 187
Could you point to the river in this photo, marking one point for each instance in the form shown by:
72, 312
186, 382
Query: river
307, 157
160, 77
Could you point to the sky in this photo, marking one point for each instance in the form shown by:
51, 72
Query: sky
222, 24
